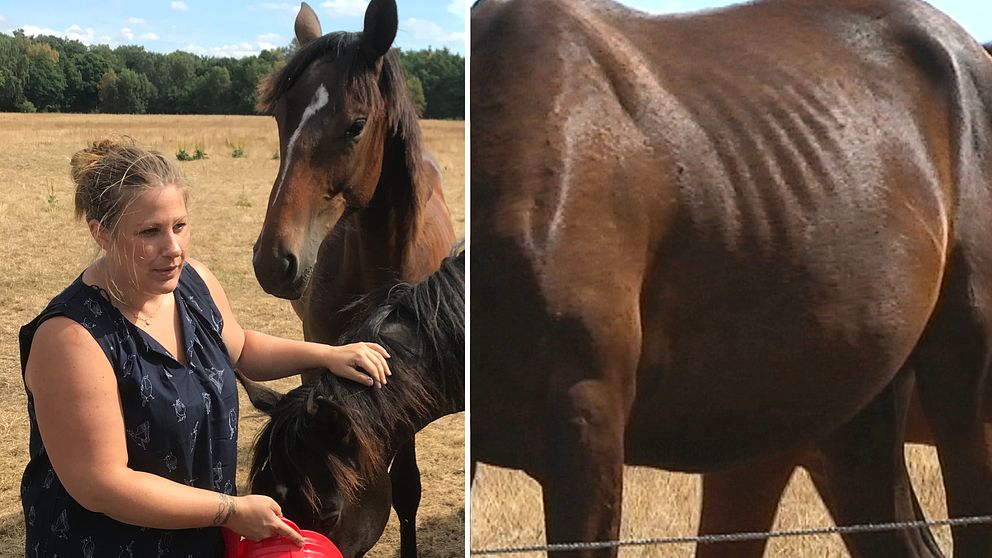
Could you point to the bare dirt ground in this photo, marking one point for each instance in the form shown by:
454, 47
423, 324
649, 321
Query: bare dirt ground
44, 248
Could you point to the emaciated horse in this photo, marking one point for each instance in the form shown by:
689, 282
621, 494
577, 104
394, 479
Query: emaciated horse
357, 202
699, 244
324, 452
745, 499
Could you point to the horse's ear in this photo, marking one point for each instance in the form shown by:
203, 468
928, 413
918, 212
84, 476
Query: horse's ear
307, 24
381, 22
332, 421
261, 397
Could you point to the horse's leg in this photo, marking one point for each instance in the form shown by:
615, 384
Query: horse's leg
816, 474
405, 477
742, 500
952, 396
583, 479
952, 363
866, 478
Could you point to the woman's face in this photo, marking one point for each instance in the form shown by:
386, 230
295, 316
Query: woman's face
148, 248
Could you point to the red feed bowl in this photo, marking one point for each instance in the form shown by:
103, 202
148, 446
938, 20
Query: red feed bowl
317, 546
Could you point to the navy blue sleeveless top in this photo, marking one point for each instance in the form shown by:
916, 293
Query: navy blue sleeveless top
181, 423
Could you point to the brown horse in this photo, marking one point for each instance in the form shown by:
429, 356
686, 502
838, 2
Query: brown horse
357, 202
698, 244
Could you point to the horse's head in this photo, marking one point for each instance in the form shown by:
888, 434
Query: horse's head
320, 469
337, 102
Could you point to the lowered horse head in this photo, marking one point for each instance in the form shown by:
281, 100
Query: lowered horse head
323, 456
350, 143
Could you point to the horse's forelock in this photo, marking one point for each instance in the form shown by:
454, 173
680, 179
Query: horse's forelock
332, 46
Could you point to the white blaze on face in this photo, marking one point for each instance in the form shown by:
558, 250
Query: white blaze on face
318, 102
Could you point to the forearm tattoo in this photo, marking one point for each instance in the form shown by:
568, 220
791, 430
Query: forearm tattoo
224, 510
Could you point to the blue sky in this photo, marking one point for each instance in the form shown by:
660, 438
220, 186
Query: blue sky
973, 15
224, 28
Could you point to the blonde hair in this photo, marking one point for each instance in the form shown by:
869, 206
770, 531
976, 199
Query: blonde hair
112, 172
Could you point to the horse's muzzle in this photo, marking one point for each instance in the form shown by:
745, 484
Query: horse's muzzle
278, 272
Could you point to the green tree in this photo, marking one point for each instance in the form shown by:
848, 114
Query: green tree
135, 58
107, 91
442, 75
211, 90
416, 90
45, 84
13, 69
127, 92
91, 65
174, 80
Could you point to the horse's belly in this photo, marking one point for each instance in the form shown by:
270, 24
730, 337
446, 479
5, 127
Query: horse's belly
749, 354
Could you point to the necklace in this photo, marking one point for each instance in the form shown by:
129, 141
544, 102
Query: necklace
137, 314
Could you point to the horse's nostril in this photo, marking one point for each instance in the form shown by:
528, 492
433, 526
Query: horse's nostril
290, 266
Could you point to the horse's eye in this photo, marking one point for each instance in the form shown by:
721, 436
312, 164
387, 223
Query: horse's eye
355, 129
329, 514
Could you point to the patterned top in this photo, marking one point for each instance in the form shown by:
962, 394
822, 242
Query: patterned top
181, 423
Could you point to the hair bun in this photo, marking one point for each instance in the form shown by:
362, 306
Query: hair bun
85, 160
111, 171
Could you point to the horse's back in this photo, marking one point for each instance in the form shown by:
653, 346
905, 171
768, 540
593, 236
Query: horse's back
746, 220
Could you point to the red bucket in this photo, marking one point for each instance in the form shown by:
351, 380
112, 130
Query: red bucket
317, 546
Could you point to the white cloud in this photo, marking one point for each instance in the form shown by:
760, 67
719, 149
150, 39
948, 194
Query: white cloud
179, 6
135, 21
127, 33
73, 33
30, 30
149, 36
430, 32
457, 7
268, 41
235, 51
345, 7
2, 19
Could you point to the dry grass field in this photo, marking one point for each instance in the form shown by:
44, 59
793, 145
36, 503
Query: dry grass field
507, 511
43, 249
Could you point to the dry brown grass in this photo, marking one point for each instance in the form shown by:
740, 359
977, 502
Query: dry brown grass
507, 510
44, 249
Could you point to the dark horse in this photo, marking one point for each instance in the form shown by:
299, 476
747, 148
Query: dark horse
700, 244
357, 202
323, 455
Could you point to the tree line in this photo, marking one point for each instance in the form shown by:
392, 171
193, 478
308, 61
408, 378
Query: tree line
52, 74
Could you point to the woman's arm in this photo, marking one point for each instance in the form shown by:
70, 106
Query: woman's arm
263, 357
81, 423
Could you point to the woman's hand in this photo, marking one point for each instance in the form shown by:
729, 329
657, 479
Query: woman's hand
255, 517
364, 363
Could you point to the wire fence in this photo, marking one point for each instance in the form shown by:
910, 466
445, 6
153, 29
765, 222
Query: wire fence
736, 537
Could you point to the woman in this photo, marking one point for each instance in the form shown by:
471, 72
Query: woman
131, 390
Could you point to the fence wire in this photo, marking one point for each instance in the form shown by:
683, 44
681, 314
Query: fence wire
736, 537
